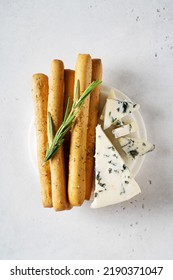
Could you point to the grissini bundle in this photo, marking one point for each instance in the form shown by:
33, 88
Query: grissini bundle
55, 108
40, 98
77, 160
68, 93
92, 123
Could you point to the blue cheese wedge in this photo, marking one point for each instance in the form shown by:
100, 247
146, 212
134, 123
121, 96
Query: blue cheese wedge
112, 95
117, 109
113, 181
134, 147
125, 129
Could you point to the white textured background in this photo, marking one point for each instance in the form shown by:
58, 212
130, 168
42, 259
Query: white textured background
134, 39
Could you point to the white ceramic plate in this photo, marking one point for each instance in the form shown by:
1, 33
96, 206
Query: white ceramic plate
133, 165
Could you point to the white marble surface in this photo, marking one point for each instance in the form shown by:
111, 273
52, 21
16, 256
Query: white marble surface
135, 41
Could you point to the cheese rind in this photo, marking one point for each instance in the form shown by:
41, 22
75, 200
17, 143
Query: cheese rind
117, 109
125, 129
113, 181
134, 147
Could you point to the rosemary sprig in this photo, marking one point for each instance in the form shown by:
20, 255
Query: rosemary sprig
68, 120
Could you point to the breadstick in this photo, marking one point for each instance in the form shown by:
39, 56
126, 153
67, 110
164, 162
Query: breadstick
40, 98
55, 107
68, 93
92, 123
69, 76
77, 161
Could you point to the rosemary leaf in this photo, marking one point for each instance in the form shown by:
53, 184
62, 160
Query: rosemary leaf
76, 95
50, 127
65, 131
56, 148
47, 148
67, 109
